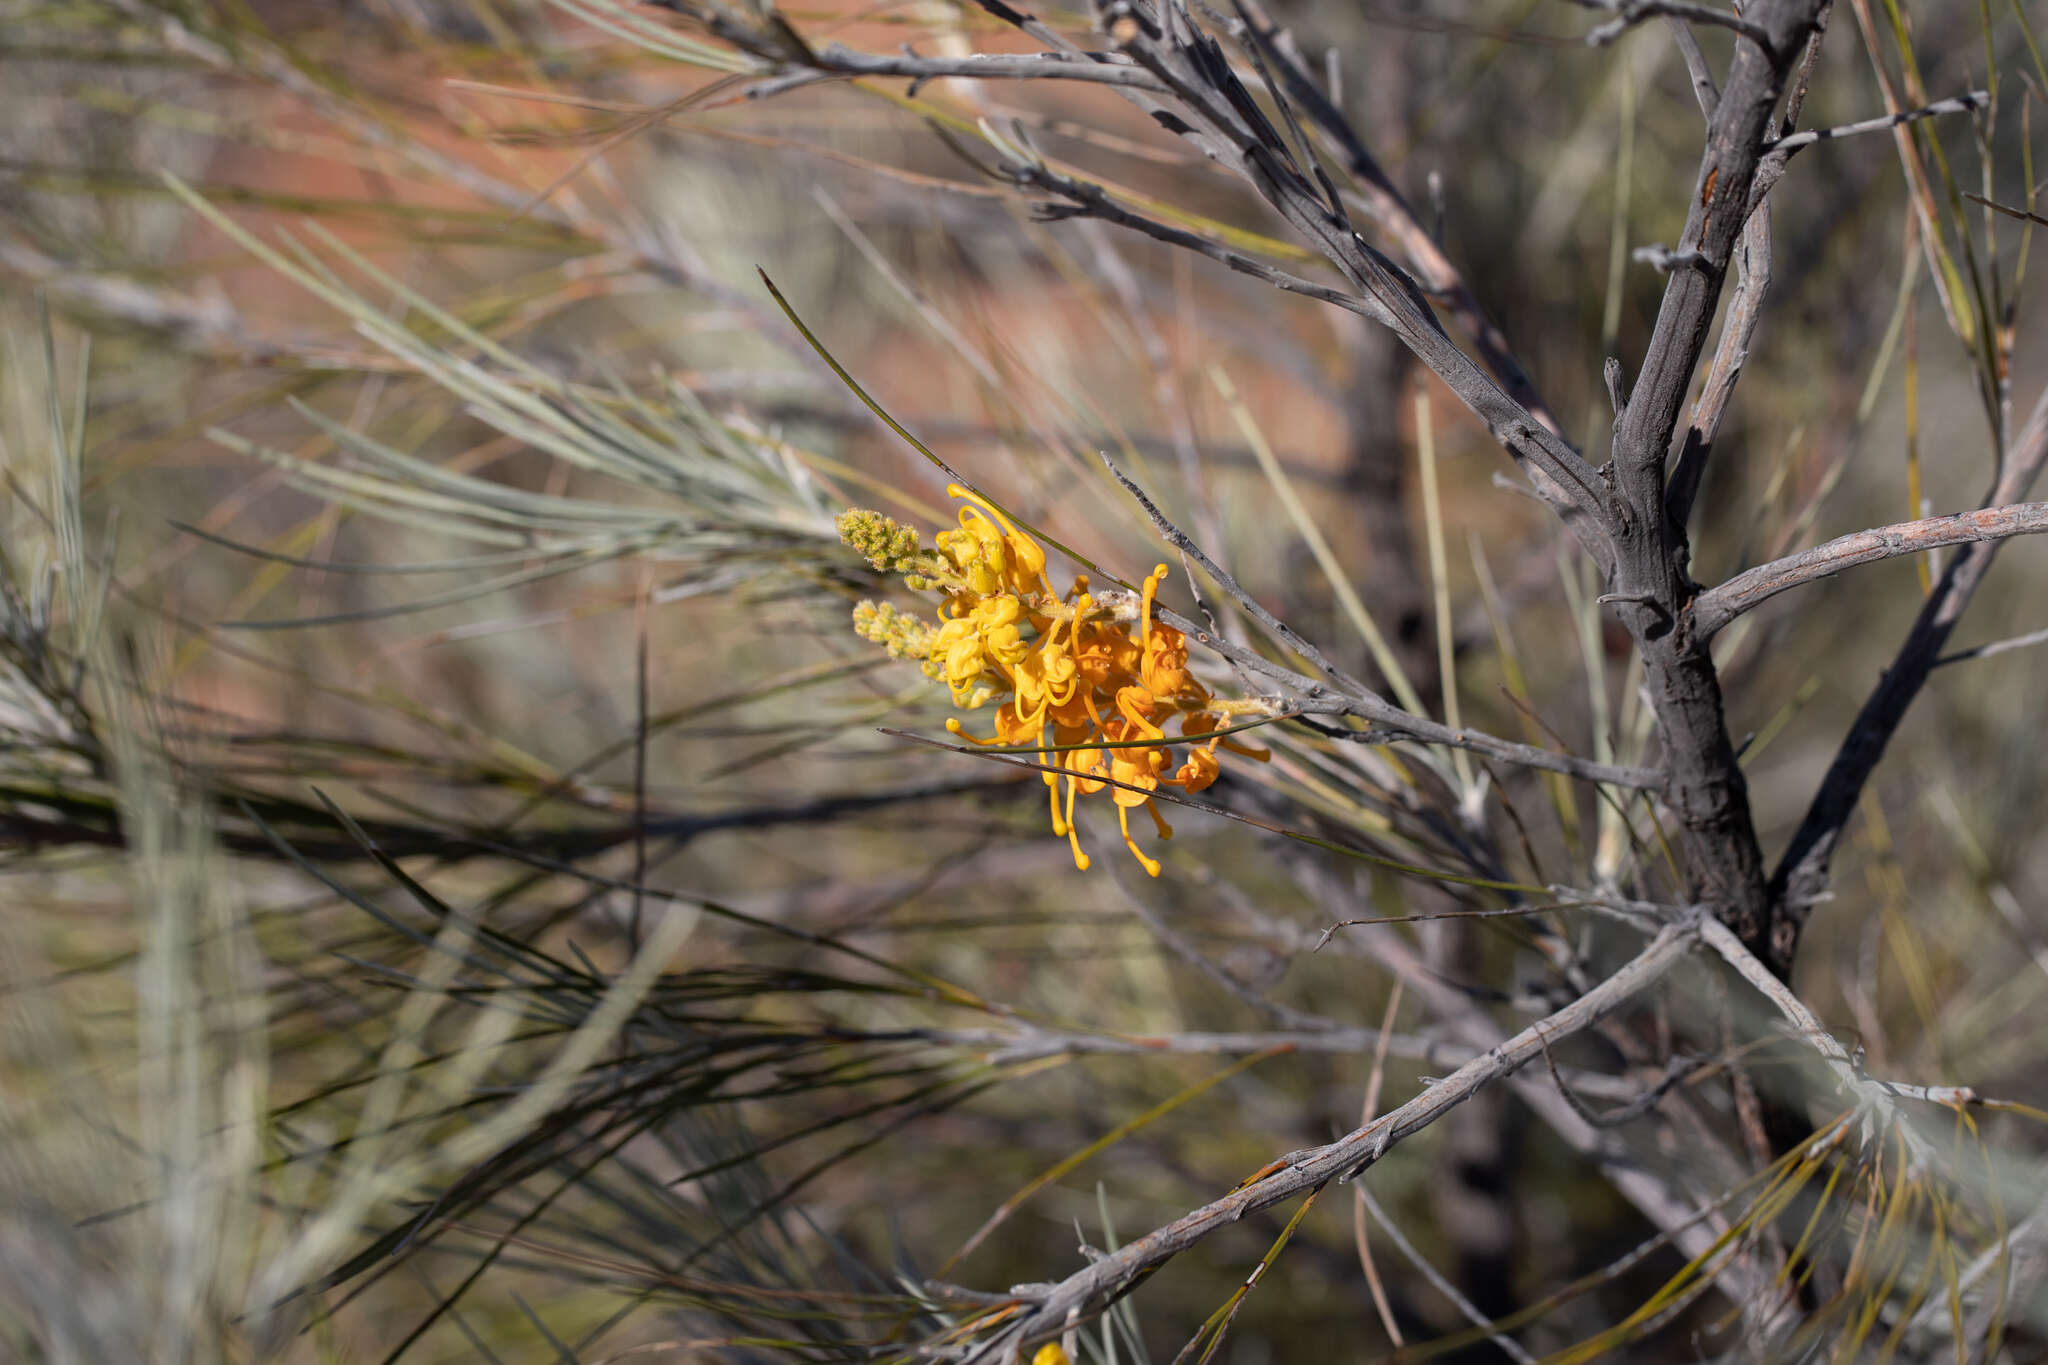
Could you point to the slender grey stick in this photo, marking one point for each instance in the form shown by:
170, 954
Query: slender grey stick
1046, 1308
1703, 87
1960, 104
1181, 541
1745, 308
1084, 199
1383, 201
1211, 109
1731, 355
1390, 725
1719, 605
1695, 1229
2032, 637
1183, 948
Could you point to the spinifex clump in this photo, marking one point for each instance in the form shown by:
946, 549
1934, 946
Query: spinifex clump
1092, 672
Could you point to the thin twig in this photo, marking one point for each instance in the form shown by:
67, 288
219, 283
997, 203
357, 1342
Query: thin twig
1675, 1070
1960, 104
1368, 1110
1185, 544
1183, 948
1084, 199
1745, 306
2031, 638
1731, 355
1213, 111
1703, 87
1384, 202
1695, 1230
1437, 1281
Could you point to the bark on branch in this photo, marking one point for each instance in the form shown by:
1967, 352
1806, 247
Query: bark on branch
1649, 578
1751, 588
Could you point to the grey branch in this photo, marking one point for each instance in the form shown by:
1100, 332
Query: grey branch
1719, 605
1731, 355
2011, 642
1212, 110
1707, 791
1961, 104
1311, 1169
1084, 199
1802, 872
1704, 88
1391, 724
1689, 1217
1745, 307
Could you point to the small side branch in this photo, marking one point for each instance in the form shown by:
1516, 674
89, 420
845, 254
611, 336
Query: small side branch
1961, 104
1214, 113
1676, 1070
1718, 606
1704, 88
1508, 1345
1184, 543
2011, 642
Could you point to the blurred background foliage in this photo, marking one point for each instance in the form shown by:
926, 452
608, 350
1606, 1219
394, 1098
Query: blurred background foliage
424, 622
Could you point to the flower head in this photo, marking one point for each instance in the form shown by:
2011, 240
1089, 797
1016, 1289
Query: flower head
1089, 683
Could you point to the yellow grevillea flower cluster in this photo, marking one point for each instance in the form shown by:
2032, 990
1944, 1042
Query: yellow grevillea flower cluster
1073, 672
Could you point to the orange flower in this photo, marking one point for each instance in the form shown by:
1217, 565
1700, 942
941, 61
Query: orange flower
1137, 768
1090, 673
